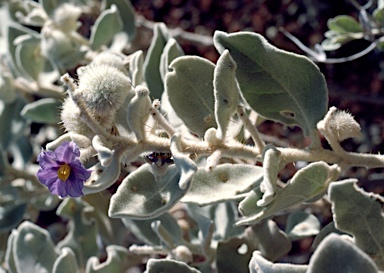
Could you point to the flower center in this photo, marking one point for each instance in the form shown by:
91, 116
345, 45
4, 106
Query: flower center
64, 172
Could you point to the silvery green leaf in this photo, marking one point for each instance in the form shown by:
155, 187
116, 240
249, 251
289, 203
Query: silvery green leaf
344, 24
136, 68
271, 241
336, 254
152, 60
66, 262
301, 225
192, 77
144, 232
10, 253
324, 232
127, 16
233, 255
45, 202
11, 215
33, 249
143, 196
11, 123
184, 164
277, 84
115, 260
350, 202
164, 265
29, 59
48, 5
172, 50
224, 183
15, 30
7, 90
305, 184
226, 92
259, 264
103, 177
104, 154
45, 110
106, 26
82, 234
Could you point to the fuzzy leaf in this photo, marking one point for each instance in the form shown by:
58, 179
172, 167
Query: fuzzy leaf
152, 60
103, 177
307, 183
136, 68
172, 50
349, 202
45, 110
82, 234
141, 196
33, 249
28, 57
301, 225
336, 254
144, 232
11, 216
222, 184
114, 263
230, 256
106, 26
66, 262
168, 266
277, 84
192, 78
226, 92
259, 264
128, 16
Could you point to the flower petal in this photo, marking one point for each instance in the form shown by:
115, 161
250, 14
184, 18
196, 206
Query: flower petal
67, 152
47, 159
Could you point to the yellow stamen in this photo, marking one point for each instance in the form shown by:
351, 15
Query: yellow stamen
64, 172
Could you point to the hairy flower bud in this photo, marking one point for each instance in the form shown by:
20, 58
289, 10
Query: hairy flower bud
103, 89
138, 111
340, 123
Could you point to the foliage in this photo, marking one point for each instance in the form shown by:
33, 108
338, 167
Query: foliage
169, 149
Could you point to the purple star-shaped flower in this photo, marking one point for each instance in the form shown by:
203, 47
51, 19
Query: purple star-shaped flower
61, 171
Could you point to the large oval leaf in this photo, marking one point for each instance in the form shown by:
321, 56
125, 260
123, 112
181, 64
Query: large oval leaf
190, 92
279, 85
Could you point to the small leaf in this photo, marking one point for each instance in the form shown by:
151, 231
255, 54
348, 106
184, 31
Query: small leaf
172, 50
224, 183
141, 196
136, 68
45, 110
29, 59
144, 232
324, 232
271, 241
277, 84
82, 234
66, 262
301, 225
306, 184
152, 60
344, 24
106, 26
230, 257
192, 78
226, 92
336, 254
168, 266
359, 213
11, 216
103, 177
33, 249
128, 16
259, 264
114, 263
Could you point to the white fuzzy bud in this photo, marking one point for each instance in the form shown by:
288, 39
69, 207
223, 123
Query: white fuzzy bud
339, 123
70, 116
103, 89
112, 59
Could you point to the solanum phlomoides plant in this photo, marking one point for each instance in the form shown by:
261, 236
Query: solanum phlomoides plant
189, 126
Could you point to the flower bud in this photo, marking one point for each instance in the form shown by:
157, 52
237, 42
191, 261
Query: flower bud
138, 111
103, 89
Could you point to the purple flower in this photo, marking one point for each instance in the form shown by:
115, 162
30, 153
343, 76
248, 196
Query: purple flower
61, 171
